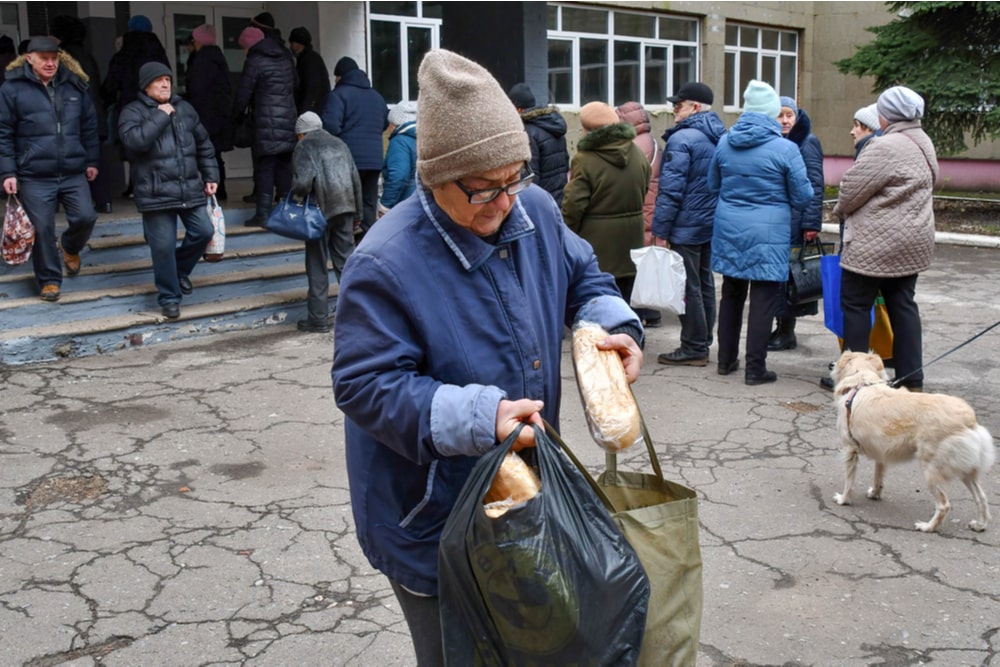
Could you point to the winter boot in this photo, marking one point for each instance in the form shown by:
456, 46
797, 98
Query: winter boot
785, 338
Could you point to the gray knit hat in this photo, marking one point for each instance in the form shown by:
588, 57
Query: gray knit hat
152, 71
467, 124
900, 103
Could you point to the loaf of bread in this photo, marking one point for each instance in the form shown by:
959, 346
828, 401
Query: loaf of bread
611, 410
514, 483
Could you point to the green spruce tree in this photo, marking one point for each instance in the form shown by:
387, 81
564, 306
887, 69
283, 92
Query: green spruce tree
949, 52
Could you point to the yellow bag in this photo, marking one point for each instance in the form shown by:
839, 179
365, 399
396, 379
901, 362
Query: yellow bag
881, 337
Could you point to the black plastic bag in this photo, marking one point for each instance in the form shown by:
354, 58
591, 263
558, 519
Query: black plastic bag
550, 582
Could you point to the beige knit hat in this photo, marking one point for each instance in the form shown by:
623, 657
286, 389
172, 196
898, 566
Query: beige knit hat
595, 115
467, 124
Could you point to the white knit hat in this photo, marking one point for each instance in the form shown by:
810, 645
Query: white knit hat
308, 122
761, 98
868, 116
467, 123
402, 113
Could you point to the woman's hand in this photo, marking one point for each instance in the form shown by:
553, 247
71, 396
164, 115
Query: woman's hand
810, 235
629, 351
512, 413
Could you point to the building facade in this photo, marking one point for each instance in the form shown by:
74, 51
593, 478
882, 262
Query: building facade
570, 53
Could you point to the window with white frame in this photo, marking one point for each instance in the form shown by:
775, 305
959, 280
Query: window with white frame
766, 54
618, 56
401, 33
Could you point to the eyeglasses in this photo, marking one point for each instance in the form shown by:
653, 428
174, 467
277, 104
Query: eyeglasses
489, 194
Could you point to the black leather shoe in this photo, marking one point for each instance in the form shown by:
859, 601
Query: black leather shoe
782, 342
826, 383
250, 198
104, 208
309, 326
762, 378
186, 286
171, 311
678, 358
731, 367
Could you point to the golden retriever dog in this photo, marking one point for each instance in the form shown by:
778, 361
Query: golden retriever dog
891, 425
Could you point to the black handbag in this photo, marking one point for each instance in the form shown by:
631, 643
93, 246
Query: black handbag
244, 132
805, 279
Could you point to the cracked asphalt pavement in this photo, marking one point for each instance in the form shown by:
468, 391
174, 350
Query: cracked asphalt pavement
187, 504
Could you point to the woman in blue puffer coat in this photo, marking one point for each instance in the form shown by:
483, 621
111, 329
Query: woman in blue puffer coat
806, 223
760, 179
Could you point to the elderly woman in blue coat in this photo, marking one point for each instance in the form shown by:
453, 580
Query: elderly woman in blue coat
449, 328
760, 179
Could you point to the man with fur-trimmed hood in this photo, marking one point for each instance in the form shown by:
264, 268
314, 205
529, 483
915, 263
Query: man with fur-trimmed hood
49, 150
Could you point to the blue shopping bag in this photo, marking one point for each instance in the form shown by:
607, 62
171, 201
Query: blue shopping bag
833, 316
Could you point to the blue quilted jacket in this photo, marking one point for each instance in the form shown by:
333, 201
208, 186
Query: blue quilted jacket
760, 178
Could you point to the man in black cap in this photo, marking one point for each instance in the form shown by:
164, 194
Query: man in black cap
685, 212
49, 150
314, 78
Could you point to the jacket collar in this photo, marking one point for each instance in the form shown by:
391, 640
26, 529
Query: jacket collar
470, 250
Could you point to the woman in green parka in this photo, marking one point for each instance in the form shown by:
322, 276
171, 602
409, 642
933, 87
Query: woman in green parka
609, 176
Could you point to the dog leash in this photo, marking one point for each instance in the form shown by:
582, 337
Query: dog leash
895, 383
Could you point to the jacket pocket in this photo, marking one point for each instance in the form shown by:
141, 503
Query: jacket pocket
425, 500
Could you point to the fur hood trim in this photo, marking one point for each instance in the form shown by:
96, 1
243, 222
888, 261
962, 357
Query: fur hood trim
608, 134
538, 112
65, 60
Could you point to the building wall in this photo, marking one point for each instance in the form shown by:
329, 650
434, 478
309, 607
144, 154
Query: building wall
830, 31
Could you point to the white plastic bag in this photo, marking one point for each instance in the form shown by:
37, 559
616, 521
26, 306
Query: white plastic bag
659, 279
217, 246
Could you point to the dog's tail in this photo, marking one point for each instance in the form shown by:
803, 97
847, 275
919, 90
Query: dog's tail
987, 451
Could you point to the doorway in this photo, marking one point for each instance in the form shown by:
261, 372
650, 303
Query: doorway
229, 22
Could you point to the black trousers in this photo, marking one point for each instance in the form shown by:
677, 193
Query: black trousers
857, 297
369, 196
423, 616
765, 299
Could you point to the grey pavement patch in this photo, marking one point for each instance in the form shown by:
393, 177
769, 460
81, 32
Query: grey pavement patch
223, 534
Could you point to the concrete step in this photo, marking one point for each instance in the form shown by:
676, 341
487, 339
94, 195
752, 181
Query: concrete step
111, 303
123, 330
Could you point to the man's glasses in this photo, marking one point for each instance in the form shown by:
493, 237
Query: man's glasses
489, 194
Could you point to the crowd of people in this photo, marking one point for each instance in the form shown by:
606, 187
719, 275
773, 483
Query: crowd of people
458, 283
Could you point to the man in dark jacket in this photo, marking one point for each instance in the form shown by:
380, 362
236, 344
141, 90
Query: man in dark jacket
268, 87
140, 45
546, 130
314, 79
174, 168
50, 150
209, 91
71, 33
356, 113
685, 209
